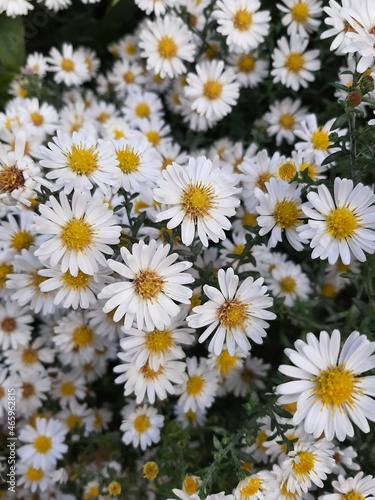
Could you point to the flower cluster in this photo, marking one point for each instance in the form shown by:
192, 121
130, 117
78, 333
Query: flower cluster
161, 253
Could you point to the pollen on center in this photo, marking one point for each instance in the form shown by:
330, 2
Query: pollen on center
197, 200
148, 284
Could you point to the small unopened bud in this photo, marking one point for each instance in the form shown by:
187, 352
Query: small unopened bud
354, 99
366, 84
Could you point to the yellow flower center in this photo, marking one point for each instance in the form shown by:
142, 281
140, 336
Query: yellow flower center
150, 470
167, 47
67, 65
34, 475
300, 12
286, 493
37, 119
197, 200
76, 282
287, 171
287, 121
8, 325
118, 134
142, 110
150, 374
320, 139
195, 300
233, 314
225, 363
246, 63
11, 178
102, 117
263, 177
242, 20
336, 386
28, 390
141, 424
261, 439
353, 495
195, 385
114, 488
128, 77
342, 223
131, 49
129, 161
166, 162
304, 463
94, 491
43, 444
73, 421
76, 235
190, 485
310, 167
249, 220
294, 62
238, 249
35, 280
29, 356
328, 290
21, 240
286, 213
212, 90
5, 269
82, 161
82, 337
252, 486
67, 389
154, 137
148, 284
288, 284
159, 341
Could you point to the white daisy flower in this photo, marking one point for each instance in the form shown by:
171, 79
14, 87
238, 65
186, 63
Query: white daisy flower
42, 116
79, 163
213, 90
301, 16
158, 7
242, 23
251, 375
14, 8
166, 43
142, 105
342, 225
280, 211
76, 417
34, 478
80, 232
201, 197
68, 66
126, 77
152, 347
46, 443
153, 284
281, 491
255, 486
32, 389
15, 327
142, 427
156, 131
293, 66
289, 282
16, 234
308, 463
190, 418
282, 119
146, 383
235, 313
359, 486
139, 164
339, 25
36, 64
343, 458
330, 391
251, 69
276, 448
69, 387
31, 356
199, 389
257, 450
226, 363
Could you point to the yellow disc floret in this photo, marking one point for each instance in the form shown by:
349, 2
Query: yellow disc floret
336, 386
82, 161
129, 161
286, 213
142, 424
342, 223
233, 314
167, 47
212, 90
294, 62
198, 200
76, 235
304, 463
148, 284
320, 139
242, 20
42, 444
195, 385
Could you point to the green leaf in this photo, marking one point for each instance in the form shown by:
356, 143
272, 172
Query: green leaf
12, 42
340, 121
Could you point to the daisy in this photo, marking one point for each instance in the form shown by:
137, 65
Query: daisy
156, 131
166, 43
15, 234
359, 486
142, 427
126, 77
282, 119
139, 165
280, 210
79, 233
308, 463
293, 66
152, 347
68, 66
153, 284
42, 116
36, 64
254, 487
32, 389
78, 162
330, 391
158, 7
199, 388
31, 356
201, 196
242, 23
34, 478
341, 225
142, 105
281, 491
301, 16
69, 387
46, 443
289, 282
343, 458
102, 322
147, 383
213, 90
251, 375
15, 327
77, 417
235, 313
13, 8
190, 488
